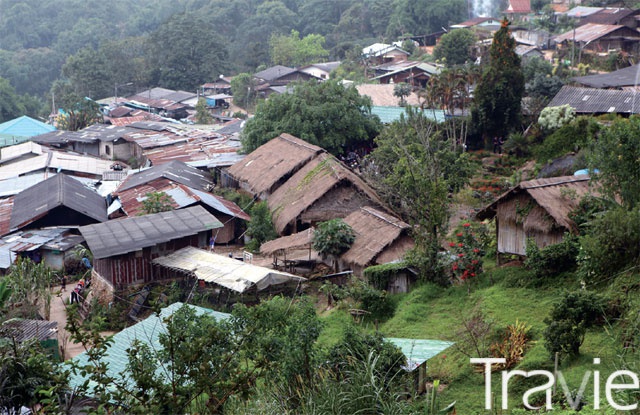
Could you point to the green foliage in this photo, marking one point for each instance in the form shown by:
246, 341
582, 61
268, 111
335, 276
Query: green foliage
25, 370
553, 259
243, 90
378, 276
260, 229
203, 116
469, 255
292, 51
29, 283
10, 105
569, 138
456, 47
424, 16
402, 90
497, 102
333, 237
196, 55
415, 169
569, 320
376, 302
611, 245
156, 202
78, 113
616, 154
552, 118
326, 114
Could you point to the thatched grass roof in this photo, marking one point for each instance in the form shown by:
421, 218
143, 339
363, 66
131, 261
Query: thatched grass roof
300, 240
273, 162
375, 231
310, 183
555, 198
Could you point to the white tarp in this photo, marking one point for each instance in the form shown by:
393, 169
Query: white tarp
227, 272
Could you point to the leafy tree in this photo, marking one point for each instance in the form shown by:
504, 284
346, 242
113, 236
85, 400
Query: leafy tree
87, 73
243, 90
497, 104
327, 114
197, 54
156, 202
203, 116
415, 169
424, 16
30, 283
78, 113
456, 47
332, 238
293, 51
616, 153
569, 320
25, 370
260, 228
10, 105
402, 90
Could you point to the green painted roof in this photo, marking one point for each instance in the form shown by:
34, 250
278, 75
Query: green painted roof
390, 114
419, 351
24, 127
146, 331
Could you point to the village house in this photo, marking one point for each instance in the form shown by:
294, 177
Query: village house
322, 189
21, 129
416, 74
57, 201
600, 38
183, 186
380, 239
320, 70
527, 53
266, 168
124, 248
593, 101
624, 79
536, 210
228, 280
484, 23
380, 53
518, 10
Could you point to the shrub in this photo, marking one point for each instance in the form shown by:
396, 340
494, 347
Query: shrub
378, 276
374, 301
568, 138
552, 259
569, 320
260, 228
552, 118
611, 245
468, 254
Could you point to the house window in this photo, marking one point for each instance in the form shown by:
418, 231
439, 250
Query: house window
107, 150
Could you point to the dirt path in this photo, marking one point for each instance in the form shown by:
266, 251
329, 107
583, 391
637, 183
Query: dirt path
58, 313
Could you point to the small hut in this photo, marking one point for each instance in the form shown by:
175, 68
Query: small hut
537, 209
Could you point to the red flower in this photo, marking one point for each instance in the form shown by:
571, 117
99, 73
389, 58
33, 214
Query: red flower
474, 262
455, 266
452, 244
460, 244
458, 234
473, 274
476, 250
460, 255
466, 225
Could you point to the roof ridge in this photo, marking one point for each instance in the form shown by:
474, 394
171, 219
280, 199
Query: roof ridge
375, 213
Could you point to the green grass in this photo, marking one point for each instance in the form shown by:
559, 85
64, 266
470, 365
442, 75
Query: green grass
433, 312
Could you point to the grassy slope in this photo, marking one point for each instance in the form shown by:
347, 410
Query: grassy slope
431, 312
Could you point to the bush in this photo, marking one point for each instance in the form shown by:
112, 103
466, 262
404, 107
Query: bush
611, 245
552, 259
376, 302
569, 320
260, 228
568, 138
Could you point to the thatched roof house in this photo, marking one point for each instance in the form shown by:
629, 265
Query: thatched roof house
323, 189
380, 238
271, 164
537, 209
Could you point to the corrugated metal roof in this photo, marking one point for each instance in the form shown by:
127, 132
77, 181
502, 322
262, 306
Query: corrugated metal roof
227, 272
25, 127
22, 329
418, 351
629, 76
117, 237
583, 11
390, 114
19, 150
597, 101
221, 205
147, 331
30, 240
176, 171
588, 33
61, 190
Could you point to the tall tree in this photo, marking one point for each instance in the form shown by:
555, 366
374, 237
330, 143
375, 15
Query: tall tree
197, 53
326, 114
498, 97
10, 105
456, 47
415, 171
293, 51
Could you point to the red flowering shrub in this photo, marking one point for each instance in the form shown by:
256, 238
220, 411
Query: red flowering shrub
468, 255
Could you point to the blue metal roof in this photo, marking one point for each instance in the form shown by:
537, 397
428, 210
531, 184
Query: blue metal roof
25, 127
390, 114
147, 331
418, 351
